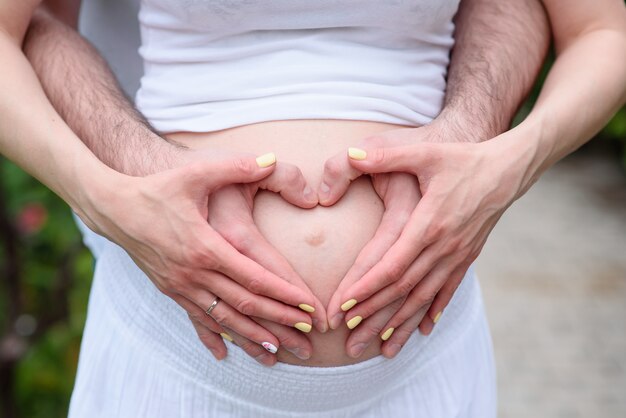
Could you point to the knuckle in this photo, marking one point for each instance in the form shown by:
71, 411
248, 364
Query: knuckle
332, 168
256, 285
403, 334
196, 255
284, 318
292, 175
404, 287
394, 271
435, 230
378, 155
453, 246
396, 304
207, 338
373, 330
237, 234
246, 306
244, 166
425, 297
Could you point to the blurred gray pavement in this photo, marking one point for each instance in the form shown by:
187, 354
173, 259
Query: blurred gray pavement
553, 275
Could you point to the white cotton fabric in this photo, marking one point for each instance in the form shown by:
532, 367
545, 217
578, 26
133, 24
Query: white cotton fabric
140, 357
211, 65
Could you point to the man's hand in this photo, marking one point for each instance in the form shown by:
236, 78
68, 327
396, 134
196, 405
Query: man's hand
465, 189
161, 221
422, 248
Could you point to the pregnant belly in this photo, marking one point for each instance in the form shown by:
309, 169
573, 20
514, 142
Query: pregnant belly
320, 243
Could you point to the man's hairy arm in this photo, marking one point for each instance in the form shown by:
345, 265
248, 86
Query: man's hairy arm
499, 48
82, 88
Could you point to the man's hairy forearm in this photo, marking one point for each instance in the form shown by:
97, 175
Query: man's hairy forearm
84, 91
500, 46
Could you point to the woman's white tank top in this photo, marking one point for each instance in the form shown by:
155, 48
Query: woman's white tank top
216, 64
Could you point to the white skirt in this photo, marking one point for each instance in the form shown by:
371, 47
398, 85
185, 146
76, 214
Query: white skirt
140, 357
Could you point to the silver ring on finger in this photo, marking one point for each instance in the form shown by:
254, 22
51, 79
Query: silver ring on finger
213, 305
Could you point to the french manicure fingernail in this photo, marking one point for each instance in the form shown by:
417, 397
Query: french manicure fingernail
303, 326
226, 336
324, 191
357, 153
358, 349
321, 326
266, 160
354, 322
308, 193
437, 317
306, 307
348, 305
387, 334
336, 320
269, 347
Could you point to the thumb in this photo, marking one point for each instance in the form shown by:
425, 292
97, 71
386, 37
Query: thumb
386, 159
238, 168
337, 176
288, 180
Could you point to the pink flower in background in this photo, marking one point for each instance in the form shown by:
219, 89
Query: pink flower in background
32, 218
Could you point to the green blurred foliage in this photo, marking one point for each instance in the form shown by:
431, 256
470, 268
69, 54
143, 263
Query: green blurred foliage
47, 238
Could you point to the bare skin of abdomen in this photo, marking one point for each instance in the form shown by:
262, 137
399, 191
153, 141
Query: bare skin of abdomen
320, 243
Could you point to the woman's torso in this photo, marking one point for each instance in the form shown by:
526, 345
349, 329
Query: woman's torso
321, 243
304, 80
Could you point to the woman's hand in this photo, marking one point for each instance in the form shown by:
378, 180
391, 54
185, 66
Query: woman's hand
230, 214
466, 188
166, 233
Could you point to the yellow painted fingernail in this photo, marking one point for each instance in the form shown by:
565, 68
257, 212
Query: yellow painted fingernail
437, 317
266, 160
357, 153
387, 334
354, 322
348, 305
226, 336
303, 326
306, 308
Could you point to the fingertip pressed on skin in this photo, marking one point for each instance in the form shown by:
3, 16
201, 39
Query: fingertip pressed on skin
348, 305
352, 324
266, 160
306, 307
387, 334
357, 153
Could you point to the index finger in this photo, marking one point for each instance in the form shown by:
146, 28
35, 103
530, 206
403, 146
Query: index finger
336, 178
395, 262
252, 275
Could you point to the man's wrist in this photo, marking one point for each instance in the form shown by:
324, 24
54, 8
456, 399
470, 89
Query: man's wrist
150, 154
454, 126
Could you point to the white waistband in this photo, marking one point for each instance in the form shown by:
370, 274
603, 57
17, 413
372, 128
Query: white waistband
157, 323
